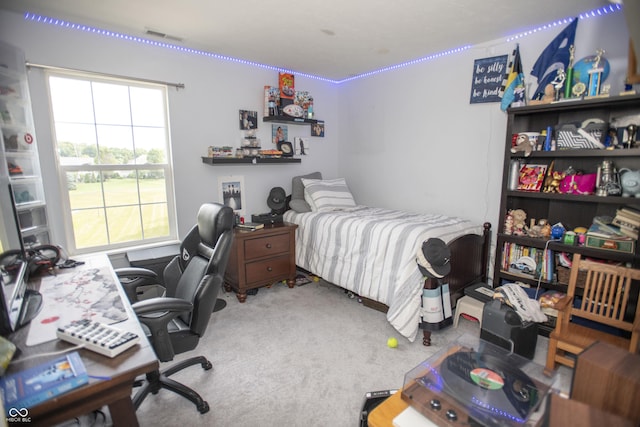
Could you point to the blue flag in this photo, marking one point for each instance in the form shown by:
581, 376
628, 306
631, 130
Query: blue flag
555, 57
512, 91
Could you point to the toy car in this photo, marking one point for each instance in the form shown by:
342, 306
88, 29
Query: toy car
525, 265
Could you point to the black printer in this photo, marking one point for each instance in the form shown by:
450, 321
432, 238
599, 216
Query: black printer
502, 326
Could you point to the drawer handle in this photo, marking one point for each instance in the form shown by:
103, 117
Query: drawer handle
269, 269
268, 245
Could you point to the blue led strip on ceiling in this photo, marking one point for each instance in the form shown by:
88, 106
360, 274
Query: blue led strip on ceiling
605, 10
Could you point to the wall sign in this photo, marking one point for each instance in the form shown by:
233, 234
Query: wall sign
488, 74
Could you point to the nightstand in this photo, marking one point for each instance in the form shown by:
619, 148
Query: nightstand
261, 257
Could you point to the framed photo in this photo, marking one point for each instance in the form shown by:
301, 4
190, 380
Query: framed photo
317, 129
531, 177
301, 145
231, 193
279, 133
248, 120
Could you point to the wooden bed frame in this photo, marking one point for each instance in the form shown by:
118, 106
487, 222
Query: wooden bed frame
469, 265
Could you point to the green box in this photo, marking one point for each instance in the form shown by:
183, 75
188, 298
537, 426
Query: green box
627, 246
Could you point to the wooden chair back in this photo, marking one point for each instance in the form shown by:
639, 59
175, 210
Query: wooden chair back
608, 296
606, 293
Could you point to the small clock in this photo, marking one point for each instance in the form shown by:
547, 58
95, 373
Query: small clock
286, 148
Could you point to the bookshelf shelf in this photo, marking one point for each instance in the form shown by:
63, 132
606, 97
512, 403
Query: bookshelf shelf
570, 210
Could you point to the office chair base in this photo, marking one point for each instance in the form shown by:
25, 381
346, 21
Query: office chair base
160, 379
220, 304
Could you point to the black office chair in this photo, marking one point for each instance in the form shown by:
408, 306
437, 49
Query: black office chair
176, 321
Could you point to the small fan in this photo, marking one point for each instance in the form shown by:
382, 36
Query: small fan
277, 200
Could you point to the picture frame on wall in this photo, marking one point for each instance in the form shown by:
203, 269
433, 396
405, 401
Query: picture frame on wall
301, 145
231, 193
317, 129
248, 120
279, 133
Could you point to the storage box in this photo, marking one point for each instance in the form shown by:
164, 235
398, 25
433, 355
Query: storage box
627, 246
564, 273
571, 136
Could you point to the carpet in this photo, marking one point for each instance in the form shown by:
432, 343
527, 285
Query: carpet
305, 356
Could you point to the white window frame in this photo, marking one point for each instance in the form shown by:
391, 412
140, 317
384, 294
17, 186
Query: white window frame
62, 170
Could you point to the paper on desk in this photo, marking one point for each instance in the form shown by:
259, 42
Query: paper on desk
86, 292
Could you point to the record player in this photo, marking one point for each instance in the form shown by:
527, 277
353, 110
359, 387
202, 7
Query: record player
475, 383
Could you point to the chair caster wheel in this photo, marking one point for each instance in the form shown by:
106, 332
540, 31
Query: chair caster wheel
207, 366
203, 408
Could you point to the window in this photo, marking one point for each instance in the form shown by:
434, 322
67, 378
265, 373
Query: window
114, 160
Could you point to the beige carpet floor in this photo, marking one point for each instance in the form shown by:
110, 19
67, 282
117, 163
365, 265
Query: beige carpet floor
298, 357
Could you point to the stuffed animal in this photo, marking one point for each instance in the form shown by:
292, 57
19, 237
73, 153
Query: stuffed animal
508, 223
548, 97
523, 143
519, 218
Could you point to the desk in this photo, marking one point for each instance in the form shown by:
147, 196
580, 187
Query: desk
383, 414
121, 371
563, 412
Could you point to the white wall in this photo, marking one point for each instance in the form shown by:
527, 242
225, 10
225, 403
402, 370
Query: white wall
410, 138
404, 139
204, 113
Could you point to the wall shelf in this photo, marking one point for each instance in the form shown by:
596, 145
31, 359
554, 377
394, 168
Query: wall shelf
248, 160
288, 119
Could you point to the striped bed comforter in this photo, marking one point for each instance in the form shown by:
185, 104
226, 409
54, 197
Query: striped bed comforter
371, 252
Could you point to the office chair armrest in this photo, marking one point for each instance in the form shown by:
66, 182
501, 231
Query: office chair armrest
135, 273
162, 304
131, 278
156, 314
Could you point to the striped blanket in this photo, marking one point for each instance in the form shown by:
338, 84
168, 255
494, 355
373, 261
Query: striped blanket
371, 252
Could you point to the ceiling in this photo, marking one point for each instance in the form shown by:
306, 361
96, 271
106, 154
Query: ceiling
333, 39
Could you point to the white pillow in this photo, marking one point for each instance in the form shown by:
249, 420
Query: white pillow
328, 195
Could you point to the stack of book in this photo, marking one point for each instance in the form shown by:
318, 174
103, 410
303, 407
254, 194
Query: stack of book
605, 234
249, 226
544, 261
628, 220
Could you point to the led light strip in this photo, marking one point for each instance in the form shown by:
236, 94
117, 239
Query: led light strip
605, 10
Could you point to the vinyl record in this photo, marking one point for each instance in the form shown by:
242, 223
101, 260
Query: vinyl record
490, 387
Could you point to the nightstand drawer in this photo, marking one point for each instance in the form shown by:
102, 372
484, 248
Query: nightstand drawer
266, 246
271, 268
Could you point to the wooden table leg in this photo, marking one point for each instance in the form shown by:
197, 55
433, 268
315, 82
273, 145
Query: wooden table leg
123, 413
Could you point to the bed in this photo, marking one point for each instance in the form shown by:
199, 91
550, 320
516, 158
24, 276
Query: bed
371, 252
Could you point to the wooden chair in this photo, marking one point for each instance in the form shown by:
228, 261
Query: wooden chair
606, 300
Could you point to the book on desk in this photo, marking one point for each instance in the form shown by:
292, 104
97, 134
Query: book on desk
249, 226
39, 383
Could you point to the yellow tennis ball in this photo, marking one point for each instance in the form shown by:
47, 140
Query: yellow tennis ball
392, 342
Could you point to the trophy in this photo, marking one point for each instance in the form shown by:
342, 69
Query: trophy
595, 74
569, 78
607, 180
632, 131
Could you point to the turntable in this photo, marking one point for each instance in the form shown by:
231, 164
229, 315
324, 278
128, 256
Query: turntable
475, 383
